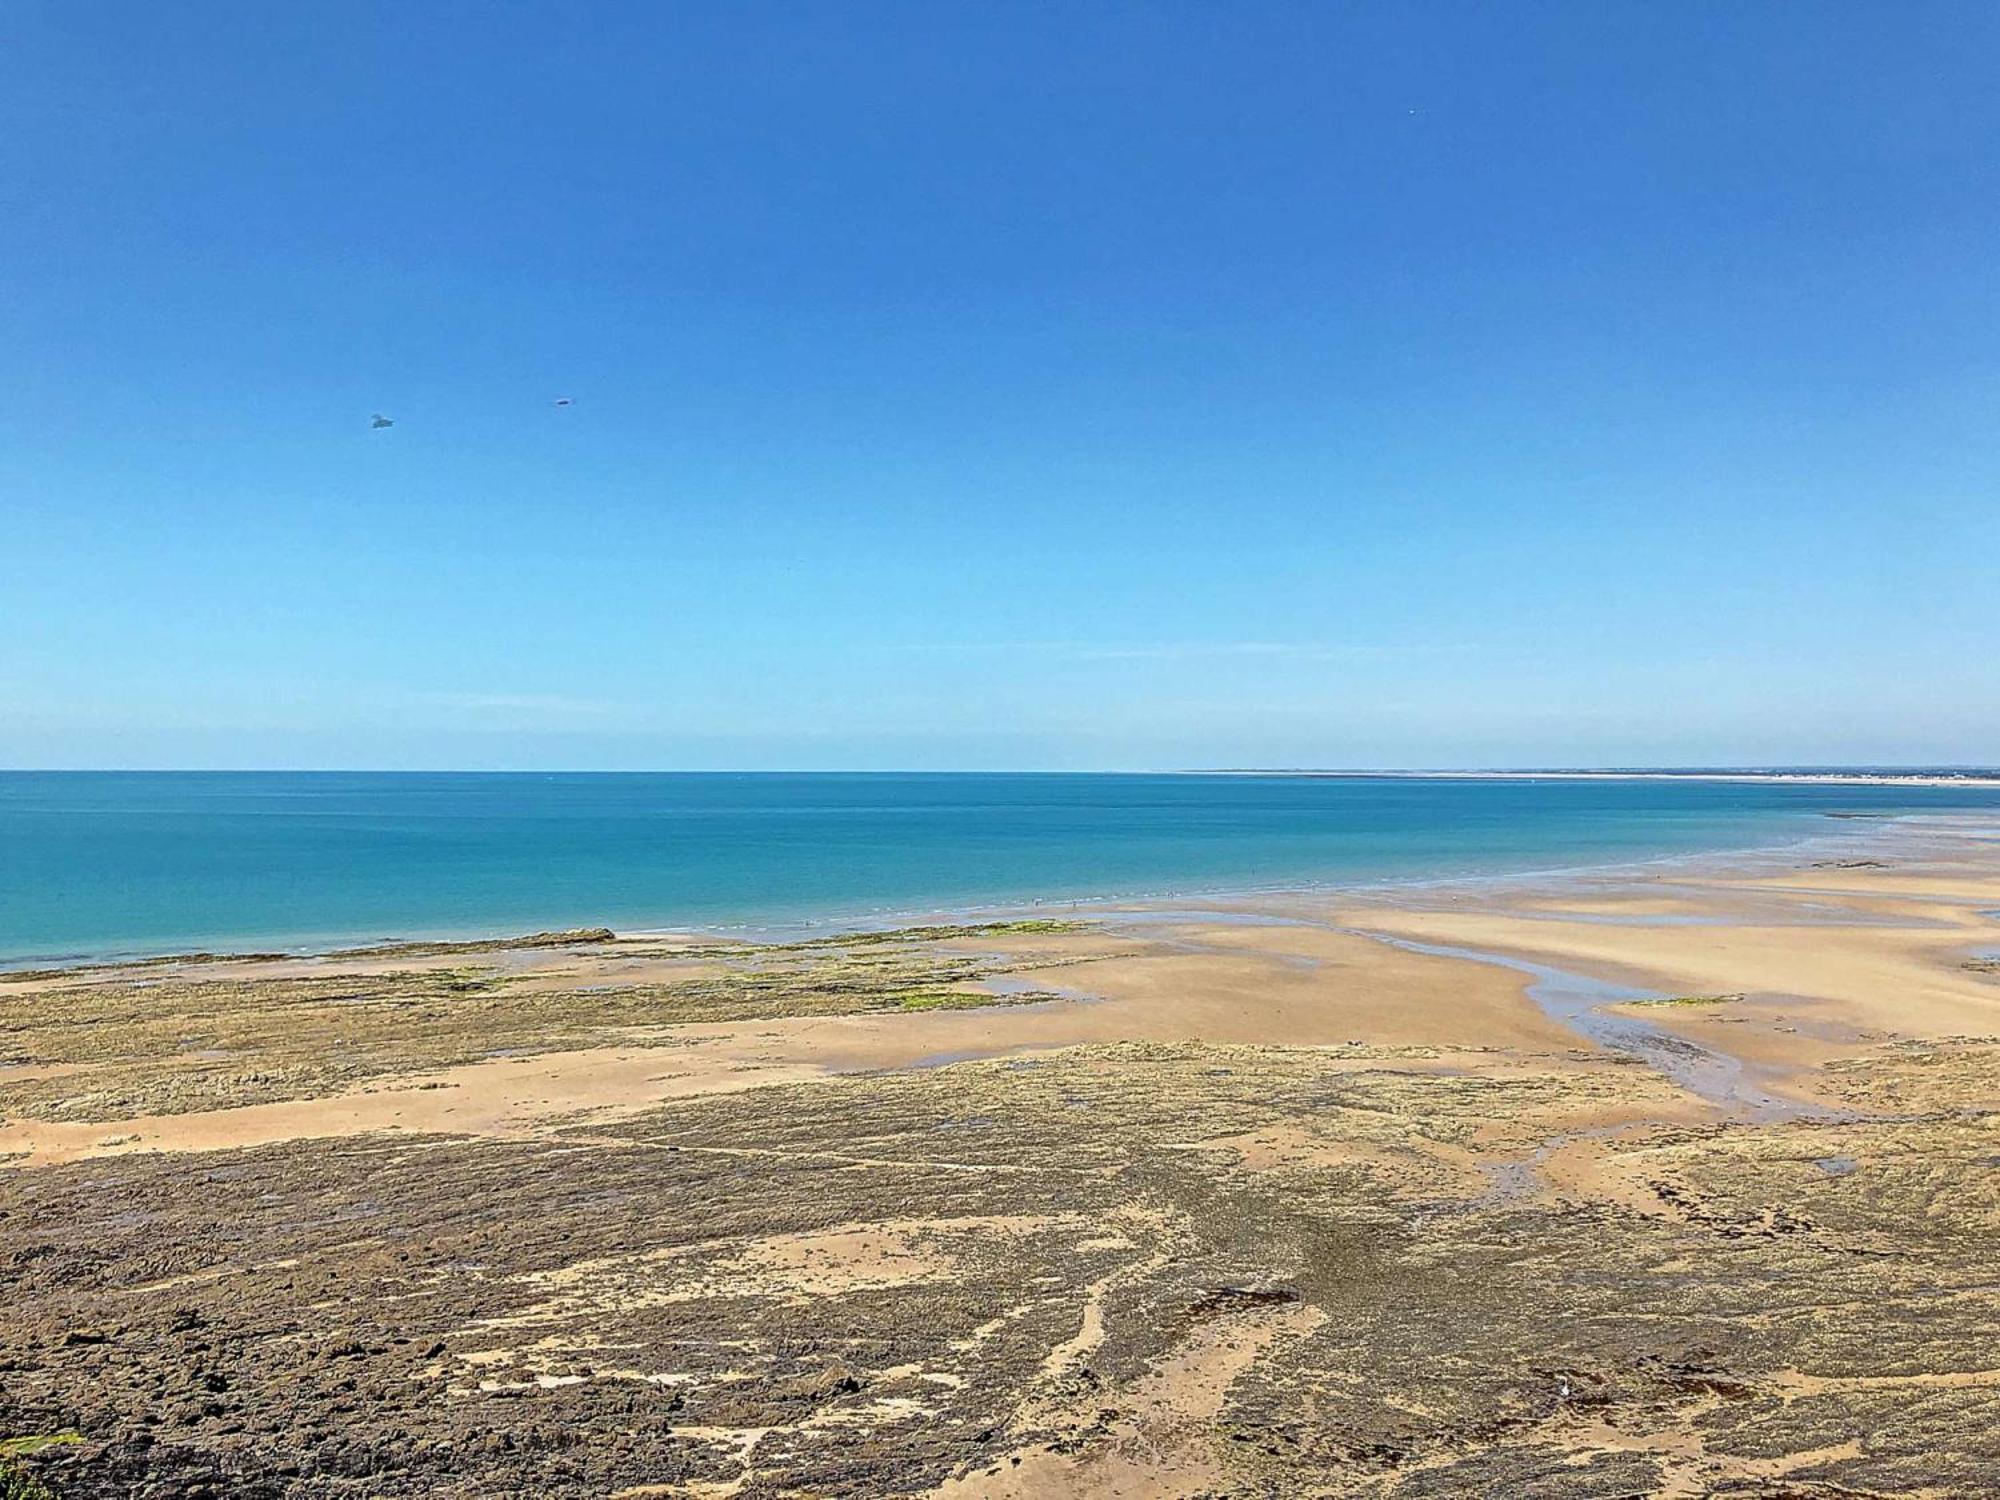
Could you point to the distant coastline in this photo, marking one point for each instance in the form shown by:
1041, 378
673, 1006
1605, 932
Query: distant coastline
1940, 776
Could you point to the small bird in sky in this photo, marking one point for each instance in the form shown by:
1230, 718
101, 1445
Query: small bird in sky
380, 422
562, 401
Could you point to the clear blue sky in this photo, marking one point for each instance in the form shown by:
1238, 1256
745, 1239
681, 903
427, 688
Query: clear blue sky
1106, 385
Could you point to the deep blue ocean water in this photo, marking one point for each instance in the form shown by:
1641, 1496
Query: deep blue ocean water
100, 863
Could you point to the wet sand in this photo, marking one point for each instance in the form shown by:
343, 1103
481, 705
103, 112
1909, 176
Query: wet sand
1499, 1187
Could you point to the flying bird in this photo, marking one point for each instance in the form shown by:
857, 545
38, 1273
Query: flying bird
380, 422
562, 401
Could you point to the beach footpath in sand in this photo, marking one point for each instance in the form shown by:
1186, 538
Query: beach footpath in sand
1677, 1180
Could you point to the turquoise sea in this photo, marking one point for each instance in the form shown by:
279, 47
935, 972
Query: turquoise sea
100, 863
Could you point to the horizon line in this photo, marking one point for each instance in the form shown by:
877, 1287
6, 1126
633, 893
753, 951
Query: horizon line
1873, 768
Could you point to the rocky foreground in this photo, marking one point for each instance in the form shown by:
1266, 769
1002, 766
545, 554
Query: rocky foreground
603, 1217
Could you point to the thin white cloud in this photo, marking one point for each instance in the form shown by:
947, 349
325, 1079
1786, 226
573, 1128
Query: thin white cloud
540, 705
1199, 650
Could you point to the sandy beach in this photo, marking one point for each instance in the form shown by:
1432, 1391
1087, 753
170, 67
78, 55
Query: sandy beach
1677, 1179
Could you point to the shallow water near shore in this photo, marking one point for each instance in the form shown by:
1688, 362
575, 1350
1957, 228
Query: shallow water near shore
102, 864
1577, 1001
